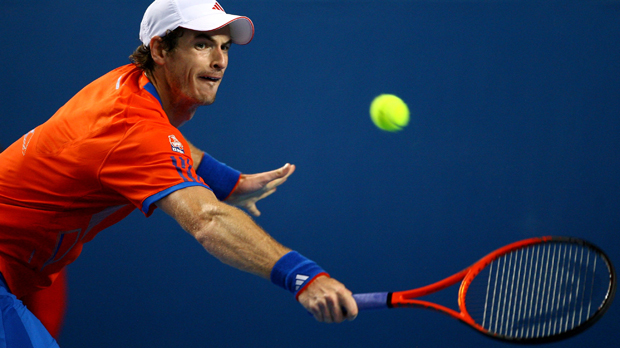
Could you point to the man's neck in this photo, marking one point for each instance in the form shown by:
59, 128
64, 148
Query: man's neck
178, 111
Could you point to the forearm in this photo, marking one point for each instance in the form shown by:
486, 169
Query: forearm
232, 236
224, 231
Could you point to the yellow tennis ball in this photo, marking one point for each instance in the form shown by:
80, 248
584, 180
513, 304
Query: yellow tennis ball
389, 112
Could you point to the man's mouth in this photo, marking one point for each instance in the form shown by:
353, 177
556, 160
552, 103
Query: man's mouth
210, 78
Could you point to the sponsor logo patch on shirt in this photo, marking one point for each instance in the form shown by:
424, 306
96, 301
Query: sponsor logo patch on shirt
175, 144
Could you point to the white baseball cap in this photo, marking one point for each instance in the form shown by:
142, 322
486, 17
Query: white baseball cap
200, 15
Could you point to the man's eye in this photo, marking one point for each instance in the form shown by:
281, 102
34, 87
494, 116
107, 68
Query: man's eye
201, 46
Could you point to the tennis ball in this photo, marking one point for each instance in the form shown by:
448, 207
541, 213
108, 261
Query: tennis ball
389, 112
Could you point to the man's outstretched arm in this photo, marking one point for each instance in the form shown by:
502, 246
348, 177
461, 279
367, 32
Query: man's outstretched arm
232, 236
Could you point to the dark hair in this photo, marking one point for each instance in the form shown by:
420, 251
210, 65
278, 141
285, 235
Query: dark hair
142, 58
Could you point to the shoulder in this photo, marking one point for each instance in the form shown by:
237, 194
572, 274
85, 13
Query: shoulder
158, 135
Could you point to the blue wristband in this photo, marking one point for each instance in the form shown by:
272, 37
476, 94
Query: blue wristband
294, 272
221, 178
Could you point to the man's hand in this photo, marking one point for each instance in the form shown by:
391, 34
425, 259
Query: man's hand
328, 300
254, 187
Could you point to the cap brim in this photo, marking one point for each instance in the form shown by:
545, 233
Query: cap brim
241, 28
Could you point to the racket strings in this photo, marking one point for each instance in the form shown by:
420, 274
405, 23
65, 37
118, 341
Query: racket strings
539, 291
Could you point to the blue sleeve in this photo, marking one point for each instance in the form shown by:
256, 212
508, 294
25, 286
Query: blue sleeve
146, 205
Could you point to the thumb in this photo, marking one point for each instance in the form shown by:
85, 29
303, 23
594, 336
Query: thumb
251, 208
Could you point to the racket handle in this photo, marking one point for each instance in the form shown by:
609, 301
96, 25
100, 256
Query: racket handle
373, 300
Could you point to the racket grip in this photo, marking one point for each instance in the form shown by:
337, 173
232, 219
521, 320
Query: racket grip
370, 301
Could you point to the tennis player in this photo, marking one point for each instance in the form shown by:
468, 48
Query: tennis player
115, 146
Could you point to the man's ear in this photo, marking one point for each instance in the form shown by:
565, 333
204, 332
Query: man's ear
157, 51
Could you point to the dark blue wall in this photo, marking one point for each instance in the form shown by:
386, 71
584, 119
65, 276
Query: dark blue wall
515, 133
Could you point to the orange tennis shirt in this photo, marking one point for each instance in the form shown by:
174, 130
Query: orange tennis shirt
107, 151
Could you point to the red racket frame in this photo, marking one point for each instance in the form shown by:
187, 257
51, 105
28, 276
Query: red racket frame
408, 298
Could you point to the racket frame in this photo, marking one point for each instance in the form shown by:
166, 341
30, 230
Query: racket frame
409, 298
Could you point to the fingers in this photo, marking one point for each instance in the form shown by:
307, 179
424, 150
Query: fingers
283, 173
348, 306
334, 311
279, 176
329, 301
271, 186
254, 187
290, 169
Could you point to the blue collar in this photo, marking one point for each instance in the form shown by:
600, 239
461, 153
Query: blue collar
151, 89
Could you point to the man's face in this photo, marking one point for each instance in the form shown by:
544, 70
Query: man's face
194, 69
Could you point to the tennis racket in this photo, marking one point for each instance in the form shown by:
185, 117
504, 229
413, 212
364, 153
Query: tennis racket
533, 291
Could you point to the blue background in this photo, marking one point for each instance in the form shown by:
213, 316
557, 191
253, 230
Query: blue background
515, 133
